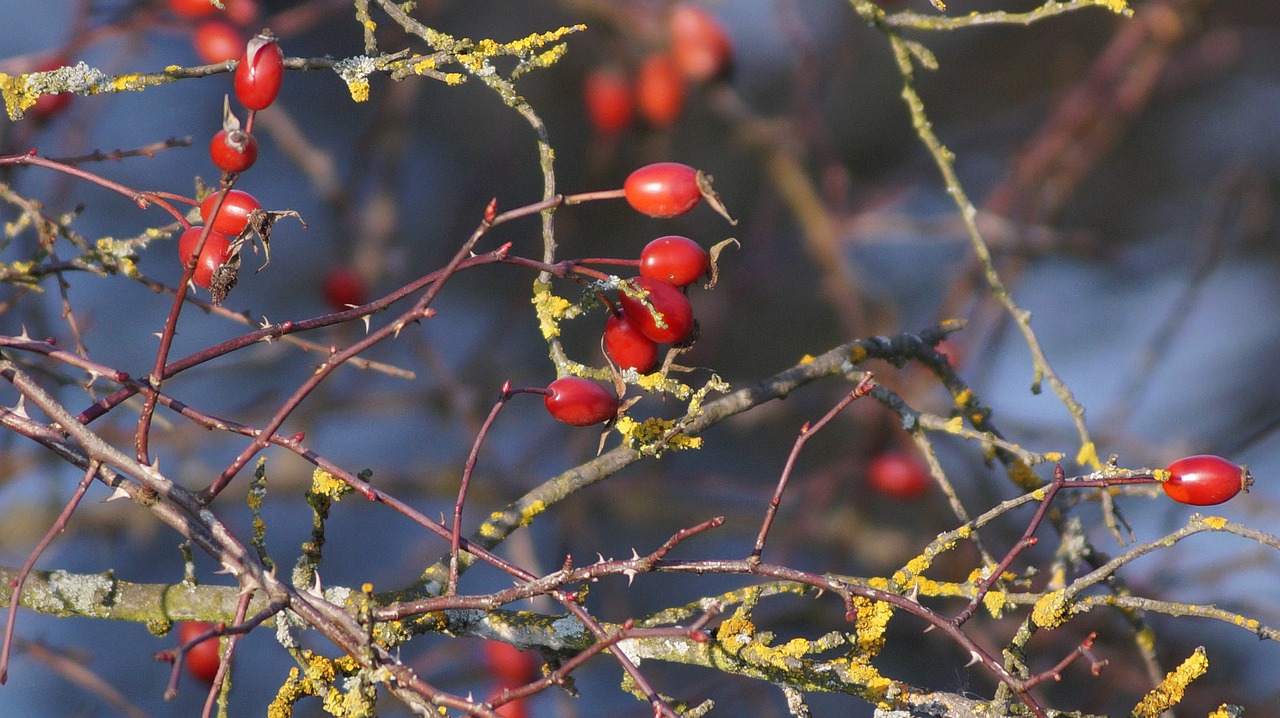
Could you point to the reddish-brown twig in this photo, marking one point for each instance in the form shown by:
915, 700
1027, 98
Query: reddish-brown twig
467, 471
863, 387
57, 528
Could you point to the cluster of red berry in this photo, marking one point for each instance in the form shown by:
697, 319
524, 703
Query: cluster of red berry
233, 150
219, 35
653, 310
698, 50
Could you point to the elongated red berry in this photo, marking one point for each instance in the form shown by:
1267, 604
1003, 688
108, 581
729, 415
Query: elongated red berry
213, 254
676, 260
202, 659
1205, 480
606, 94
217, 41
663, 189
260, 72
233, 217
700, 47
673, 307
660, 91
627, 346
580, 402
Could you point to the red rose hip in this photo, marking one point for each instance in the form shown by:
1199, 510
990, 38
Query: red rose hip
233, 217
343, 287
233, 151
202, 659
699, 45
898, 475
213, 255
627, 346
580, 402
663, 189
660, 91
676, 260
1205, 480
260, 72
677, 313
606, 95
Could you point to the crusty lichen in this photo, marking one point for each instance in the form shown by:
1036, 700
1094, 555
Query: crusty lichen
1170, 691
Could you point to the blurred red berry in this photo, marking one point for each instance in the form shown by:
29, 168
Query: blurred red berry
216, 41
660, 91
898, 475
191, 8
202, 659
700, 47
606, 93
242, 12
343, 287
510, 665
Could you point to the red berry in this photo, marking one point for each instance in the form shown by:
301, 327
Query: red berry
241, 12
260, 72
580, 402
1205, 480
215, 41
212, 255
191, 8
676, 260
677, 314
898, 475
663, 189
606, 92
660, 91
233, 151
343, 287
627, 346
233, 217
202, 659
699, 45
510, 665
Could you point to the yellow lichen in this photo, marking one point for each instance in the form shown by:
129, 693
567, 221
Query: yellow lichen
1022, 475
869, 626
1050, 611
654, 434
1169, 693
807, 359
550, 309
359, 90
1088, 456
1214, 522
324, 483
994, 603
